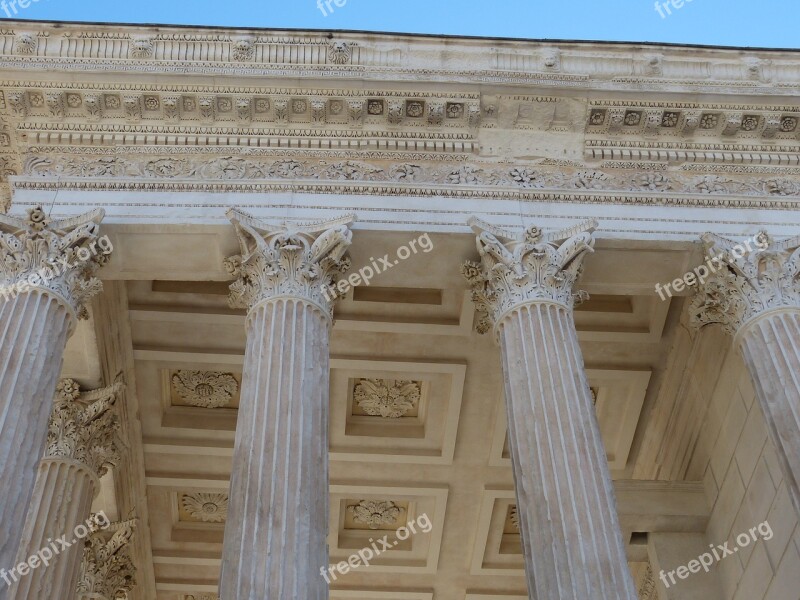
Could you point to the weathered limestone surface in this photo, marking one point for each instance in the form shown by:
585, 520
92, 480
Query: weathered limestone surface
42, 297
81, 446
568, 520
275, 535
756, 297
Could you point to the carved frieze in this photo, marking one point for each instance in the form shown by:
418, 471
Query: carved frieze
206, 389
751, 277
387, 399
57, 256
287, 260
83, 426
519, 269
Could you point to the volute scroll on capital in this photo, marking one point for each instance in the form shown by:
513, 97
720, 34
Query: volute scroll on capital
515, 270
299, 260
58, 257
754, 277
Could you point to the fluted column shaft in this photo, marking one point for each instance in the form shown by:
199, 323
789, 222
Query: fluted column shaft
275, 536
34, 327
568, 518
754, 293
62, 500
523, 288
770, 347
278, 507
81, 445
46, 276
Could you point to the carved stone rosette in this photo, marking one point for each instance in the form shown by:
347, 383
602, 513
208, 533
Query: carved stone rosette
287, 260
535, 267
749, 283
375, 514
59, 257
107, 571
755, 295
81, 446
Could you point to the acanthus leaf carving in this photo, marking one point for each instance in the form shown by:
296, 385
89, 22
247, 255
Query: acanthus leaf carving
517, 270
107, 570
55, 256
83, 426
747, 281
299, 260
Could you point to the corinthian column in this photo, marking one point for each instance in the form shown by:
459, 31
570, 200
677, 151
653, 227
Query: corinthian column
45, 277
523, 288
107, 570
756, 298
275, 535
81, 445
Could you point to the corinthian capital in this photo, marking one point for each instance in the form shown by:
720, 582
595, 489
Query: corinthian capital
287, 260
83, 426
107, 571
751, 277
56, 256
531, 267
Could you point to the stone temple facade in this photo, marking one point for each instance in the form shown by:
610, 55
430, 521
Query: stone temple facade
503, 319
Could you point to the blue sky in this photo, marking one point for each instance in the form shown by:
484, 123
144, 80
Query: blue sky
767, 23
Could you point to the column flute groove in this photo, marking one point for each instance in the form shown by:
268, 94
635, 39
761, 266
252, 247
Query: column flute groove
275, 536
46, 276
523, 290
755, 296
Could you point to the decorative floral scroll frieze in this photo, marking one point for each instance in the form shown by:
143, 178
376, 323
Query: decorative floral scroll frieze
537, 176
515, 270
747, 282
375, 514
287, 260
83, 426
388, 399
209, 508
107, 570
59, 256
207, 389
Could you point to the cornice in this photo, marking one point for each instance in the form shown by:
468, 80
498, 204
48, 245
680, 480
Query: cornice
153, 50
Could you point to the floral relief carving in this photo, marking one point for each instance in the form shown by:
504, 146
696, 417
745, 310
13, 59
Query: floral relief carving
83, 427
107, 570
207, 389
375, 514
387, 399
51, 255
206, 507
534, 266
287, 259
748, 282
